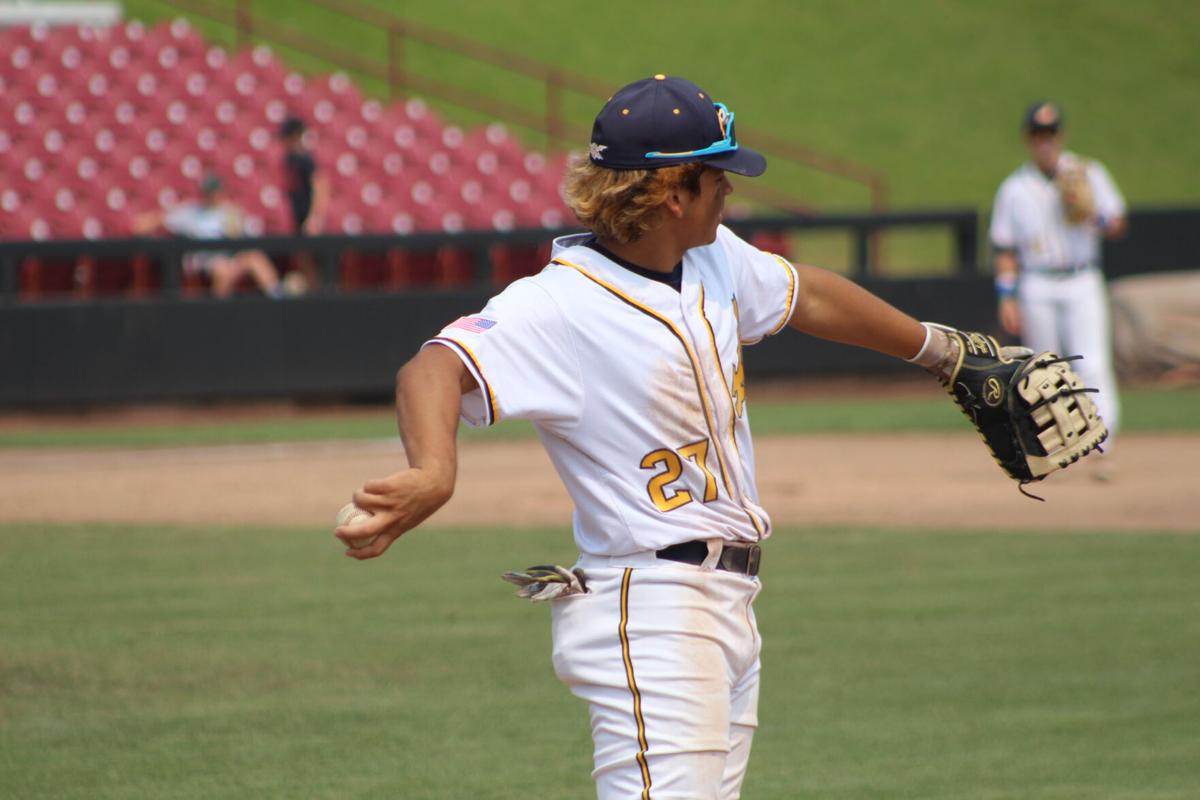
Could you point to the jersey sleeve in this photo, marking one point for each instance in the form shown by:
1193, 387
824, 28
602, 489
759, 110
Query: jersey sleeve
765, 286
521, 352
1002, 231
1109, 202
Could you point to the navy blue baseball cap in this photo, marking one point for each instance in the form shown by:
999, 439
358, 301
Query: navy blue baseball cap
665, 121
1042, 116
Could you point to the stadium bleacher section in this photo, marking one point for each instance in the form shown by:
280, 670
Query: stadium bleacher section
99, 124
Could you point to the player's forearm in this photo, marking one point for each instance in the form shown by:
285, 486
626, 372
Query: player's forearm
832, 307
429, 391
1005, 264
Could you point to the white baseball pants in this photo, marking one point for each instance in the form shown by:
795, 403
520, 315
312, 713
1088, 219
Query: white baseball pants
1069, 315
667, 657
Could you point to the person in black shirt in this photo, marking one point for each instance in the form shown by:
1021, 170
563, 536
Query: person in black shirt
307, 189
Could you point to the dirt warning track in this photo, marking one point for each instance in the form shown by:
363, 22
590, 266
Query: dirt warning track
935, 481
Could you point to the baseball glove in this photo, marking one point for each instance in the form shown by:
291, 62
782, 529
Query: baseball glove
1033, 412
1078, 203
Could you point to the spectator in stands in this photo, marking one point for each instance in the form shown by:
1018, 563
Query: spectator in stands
307, 189
214, 217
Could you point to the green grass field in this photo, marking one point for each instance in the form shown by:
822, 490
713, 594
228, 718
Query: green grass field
238, 662
1147, 409
928, 91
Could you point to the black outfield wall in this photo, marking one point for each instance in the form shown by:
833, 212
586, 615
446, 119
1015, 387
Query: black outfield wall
350, 345
338, 346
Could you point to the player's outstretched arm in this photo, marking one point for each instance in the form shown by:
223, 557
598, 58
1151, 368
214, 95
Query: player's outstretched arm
429, 391
831, 307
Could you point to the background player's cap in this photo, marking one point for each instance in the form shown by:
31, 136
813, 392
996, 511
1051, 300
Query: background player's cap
664, 121
1042, 116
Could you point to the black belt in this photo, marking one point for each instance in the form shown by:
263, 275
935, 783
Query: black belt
739, 558
1069, 269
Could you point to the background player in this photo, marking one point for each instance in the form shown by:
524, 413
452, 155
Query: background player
626, 353
1047, 221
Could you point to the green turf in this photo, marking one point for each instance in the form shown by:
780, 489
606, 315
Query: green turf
356, 426
240, 662
1144, 410
928, 91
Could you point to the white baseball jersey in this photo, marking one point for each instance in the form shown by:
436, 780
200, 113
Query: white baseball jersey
635, 389
199, 221
1028, 217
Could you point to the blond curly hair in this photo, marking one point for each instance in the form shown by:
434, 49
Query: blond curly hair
623, 204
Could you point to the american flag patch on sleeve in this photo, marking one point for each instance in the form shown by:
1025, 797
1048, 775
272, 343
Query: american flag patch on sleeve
473, 324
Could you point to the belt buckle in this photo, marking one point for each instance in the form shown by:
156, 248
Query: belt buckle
753, 559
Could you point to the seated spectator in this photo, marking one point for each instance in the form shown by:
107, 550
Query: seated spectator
214, 217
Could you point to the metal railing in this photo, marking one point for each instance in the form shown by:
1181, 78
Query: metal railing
164, 257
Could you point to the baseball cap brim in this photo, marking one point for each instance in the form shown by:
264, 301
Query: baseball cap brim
742, 161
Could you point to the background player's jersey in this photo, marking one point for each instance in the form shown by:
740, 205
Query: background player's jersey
1028, 216
636, 390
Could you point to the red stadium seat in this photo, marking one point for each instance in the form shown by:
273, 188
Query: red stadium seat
177, 114
70, 58
87, 167
23, 119
32, 174
25, 224
512, 262
119, 58
98, 86
195, 84
207, 139
20, 59
262, 64
53, 142
186, 38
10, 201
74, 114
103, 139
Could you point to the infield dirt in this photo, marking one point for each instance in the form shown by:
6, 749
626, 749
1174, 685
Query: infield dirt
932, 481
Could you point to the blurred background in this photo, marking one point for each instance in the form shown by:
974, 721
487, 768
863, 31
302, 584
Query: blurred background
426, 148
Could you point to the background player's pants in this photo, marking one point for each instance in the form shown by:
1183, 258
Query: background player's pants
666, 655
1069, 315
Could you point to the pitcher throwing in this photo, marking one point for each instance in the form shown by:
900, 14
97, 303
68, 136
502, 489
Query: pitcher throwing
626, 352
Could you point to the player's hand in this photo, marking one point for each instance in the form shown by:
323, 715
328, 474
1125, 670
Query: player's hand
314, 226
399, 502
1010, 316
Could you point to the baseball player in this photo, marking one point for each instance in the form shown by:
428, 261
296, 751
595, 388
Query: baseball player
626, 352
1047, 222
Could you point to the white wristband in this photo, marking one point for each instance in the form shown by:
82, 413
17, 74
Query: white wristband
923, 356
939, 351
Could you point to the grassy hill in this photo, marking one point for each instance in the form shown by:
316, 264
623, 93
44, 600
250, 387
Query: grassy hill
929, 91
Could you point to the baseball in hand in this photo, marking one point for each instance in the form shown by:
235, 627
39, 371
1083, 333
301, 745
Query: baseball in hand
351, 515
